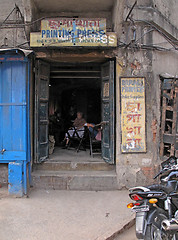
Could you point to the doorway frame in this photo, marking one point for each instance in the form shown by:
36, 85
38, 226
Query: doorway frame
114, 73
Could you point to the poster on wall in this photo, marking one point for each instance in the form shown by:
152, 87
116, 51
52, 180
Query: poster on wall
133, 114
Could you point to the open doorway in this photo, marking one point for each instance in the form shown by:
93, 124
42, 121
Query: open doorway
64, 89
72, 88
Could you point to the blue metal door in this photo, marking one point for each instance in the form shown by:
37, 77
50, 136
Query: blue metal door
108, 112
13, 109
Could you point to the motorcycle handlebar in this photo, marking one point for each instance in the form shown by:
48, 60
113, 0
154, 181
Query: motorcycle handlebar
162, 171
168, 165
160, 187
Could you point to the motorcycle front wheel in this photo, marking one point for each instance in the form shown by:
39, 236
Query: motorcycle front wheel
154, 231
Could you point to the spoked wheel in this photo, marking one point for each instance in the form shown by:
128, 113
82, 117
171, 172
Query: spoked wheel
154, 230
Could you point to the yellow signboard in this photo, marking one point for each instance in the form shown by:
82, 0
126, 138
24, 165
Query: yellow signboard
73, 32
133, 114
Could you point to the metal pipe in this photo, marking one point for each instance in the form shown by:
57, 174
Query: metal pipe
130, 11
170, 225
25, 177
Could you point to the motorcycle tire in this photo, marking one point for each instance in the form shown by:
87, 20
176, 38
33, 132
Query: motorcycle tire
154, 230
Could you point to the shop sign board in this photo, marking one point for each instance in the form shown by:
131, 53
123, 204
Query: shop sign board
66, 32
133, 114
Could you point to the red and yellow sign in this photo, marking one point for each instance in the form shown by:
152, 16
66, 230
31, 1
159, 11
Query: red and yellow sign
133, 114
73, 32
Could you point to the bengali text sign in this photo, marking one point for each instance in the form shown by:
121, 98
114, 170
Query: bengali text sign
133, 114
73, 32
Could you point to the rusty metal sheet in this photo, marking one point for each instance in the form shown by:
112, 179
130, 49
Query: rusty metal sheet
64, 32
133, 114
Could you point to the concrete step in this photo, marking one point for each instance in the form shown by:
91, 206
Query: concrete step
74, 166
75, 180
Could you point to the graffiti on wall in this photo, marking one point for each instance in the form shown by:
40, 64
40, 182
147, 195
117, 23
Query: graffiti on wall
133, 114
73, 32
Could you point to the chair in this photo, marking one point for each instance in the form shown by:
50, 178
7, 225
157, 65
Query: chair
95, 145
78, 140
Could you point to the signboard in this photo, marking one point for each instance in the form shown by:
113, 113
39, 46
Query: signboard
133, 114
66, 32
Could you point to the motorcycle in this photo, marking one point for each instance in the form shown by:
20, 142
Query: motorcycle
156, 206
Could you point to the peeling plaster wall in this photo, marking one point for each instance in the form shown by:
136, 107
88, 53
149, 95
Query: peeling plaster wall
140, 58
28, 9
117, 16
37, 14
7, 6
157, 12
168, 9
135, 169
11, 36
106, 14
3, 173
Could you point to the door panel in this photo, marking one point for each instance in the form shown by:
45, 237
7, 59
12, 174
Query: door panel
41, 110
13, 110
108, 136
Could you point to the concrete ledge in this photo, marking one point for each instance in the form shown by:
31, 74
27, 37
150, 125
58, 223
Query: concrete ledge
71, 166
75, 180
122, 229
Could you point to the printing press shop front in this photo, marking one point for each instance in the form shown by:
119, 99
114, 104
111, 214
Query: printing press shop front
74, 72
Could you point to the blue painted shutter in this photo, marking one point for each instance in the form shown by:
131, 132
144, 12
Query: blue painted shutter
108, 112
13, 110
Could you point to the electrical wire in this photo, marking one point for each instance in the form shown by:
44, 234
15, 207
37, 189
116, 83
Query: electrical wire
155, 10
144, 35
162, 33
150, 47
5, 25
8, 16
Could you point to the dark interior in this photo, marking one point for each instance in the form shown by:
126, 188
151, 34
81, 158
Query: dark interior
73, 88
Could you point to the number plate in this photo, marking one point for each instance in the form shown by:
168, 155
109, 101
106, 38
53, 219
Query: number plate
144, 208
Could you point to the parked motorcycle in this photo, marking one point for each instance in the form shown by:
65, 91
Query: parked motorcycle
156, 206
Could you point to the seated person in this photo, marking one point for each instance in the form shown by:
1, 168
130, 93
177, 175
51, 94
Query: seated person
96, 132
56, 127
78, 126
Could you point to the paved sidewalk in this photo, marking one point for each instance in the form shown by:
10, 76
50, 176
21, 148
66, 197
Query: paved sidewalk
63, 215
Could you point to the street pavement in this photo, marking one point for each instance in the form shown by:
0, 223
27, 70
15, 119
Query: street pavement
64, 215
127, 235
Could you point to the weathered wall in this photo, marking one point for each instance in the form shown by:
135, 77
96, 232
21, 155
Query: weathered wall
3, 173
134, 169
28, 10
70, 14
117, 16
147, 52
11, 34
137, 56
158, 13
138, 169
164, 61
6, 7
142, 51
168, 9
